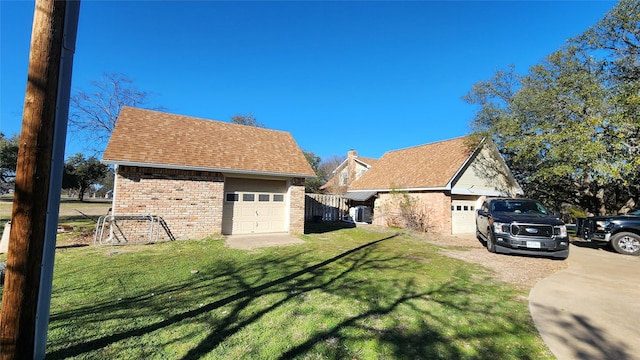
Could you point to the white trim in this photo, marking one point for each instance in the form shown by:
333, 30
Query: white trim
479, 192
202, 168
362, 162
335, 171
466, 163
405, 189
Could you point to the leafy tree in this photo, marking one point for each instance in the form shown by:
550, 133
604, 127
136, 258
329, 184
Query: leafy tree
106, 185
313, 185
569, 127
80, 173
93, 114
8, 160
247, 119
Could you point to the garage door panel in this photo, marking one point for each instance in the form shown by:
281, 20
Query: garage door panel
463, 215
255, 206
244, 212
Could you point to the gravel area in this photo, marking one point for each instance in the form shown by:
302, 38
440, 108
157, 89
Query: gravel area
522, 271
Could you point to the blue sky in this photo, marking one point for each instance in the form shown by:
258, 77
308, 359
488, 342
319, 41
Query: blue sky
366, 75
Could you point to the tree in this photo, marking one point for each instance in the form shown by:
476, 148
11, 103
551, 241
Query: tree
8, 160
313, 185
568, 128
328, 166
81, 174
247, 119
93, 115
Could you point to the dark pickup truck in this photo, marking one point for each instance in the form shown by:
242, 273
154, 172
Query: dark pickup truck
521, 226
622, 232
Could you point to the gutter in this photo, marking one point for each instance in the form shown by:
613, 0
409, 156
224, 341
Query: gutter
202, 168
405, 189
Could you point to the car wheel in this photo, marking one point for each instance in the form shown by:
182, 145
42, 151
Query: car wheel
491, 245
626, 243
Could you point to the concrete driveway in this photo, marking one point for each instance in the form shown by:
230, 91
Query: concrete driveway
253, 241
591, 310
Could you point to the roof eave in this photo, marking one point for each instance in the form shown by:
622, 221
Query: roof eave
484, 192
202, 168
466, 163
436, 188
362, 162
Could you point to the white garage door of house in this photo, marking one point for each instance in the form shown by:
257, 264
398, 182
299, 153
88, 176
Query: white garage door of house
254, 206
463, 215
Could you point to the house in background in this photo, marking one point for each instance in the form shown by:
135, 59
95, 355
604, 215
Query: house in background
351, 169
448, 181
205, 177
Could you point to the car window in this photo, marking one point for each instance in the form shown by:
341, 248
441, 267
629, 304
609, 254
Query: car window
527, 207
500, 206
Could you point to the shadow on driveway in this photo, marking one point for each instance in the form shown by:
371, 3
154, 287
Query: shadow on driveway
591, 310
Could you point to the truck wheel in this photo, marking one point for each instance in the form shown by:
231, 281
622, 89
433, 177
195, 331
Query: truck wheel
491, 244
626, 243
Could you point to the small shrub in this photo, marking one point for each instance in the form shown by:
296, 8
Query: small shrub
406, 211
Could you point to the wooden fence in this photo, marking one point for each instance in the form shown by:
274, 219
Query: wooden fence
321, 207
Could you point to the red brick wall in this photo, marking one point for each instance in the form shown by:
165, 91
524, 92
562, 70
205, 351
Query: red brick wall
436, 204
189, 201
296, 211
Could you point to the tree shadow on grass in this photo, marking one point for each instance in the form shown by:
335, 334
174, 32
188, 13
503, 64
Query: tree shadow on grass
65, 219
255, 288
326, 226
227, 327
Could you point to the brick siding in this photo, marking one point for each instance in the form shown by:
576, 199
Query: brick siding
190, 202
436, 204
296, 211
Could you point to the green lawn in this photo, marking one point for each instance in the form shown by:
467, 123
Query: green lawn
71, 211
349, 293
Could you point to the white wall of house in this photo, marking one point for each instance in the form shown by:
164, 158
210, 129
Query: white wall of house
486, 175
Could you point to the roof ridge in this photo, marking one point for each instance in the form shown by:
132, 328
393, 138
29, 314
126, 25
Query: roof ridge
425, 144
164, 113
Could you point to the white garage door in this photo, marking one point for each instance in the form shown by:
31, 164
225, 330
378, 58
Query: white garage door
254, 206
463, 215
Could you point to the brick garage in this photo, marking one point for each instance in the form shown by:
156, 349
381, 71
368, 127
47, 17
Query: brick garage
180, 168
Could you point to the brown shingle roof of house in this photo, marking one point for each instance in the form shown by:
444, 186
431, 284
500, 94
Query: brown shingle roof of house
157, 139
368, 161
425, 166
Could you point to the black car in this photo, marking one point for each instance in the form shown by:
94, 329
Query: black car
521, 226
622, 232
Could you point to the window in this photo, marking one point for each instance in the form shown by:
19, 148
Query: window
248, 197
459, 208
344, 178
263, 197
232, 197
466, 208
278, 197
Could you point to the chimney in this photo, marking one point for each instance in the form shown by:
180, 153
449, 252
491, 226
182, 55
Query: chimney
352, 153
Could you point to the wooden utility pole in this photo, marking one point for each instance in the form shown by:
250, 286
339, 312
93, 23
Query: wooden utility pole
46, 83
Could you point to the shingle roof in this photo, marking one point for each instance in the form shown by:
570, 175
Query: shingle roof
157, 139
368, 161
425, 166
